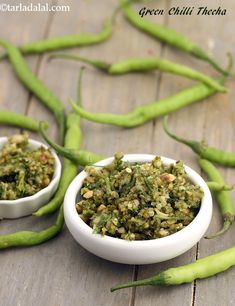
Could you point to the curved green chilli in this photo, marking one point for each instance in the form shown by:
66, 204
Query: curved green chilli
32, 83
29, 238
88, 158
101, 65
153, 110
212, 154
215, 186
223, 198
146, 64
201, 268
167, 35
12, 118
81, 157
68, 41
73, 140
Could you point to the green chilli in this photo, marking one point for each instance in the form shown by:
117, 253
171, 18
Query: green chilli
68, 41
167, 35
29, 238
151, 111
70, 169
143, 65
101, 65
81, 157
215, 186
73, 140
18, 120
33, 84
201, 268
203, 150
223, 198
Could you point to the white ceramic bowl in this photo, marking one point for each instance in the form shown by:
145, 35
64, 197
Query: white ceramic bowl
142, 251
12, 209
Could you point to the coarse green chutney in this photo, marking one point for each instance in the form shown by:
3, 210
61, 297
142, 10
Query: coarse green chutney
138, 201
24, 172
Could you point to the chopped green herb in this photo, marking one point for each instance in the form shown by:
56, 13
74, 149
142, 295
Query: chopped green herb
23, 172
138, 201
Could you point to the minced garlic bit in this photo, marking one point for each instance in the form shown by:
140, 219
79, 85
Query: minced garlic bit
23, 172
138, 201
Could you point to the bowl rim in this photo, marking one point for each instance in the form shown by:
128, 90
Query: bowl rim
57, 173
74, 218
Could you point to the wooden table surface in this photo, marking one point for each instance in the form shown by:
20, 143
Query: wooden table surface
60, 272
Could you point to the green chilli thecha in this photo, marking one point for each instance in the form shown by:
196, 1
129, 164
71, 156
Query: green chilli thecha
138, 201
24, 171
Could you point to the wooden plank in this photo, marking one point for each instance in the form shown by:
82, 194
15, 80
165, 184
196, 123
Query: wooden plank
15, 98
189, 123
219, 132
85, 275
100, 93
163, 146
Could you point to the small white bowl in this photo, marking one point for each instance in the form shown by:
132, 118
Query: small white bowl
12, 209
142, 251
